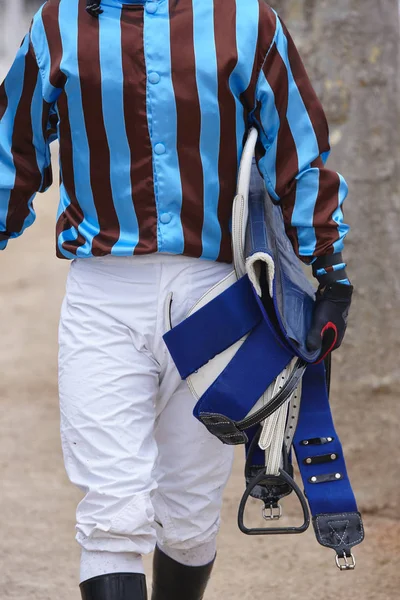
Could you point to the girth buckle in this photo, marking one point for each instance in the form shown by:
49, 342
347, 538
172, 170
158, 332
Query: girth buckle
344, 562
273, 512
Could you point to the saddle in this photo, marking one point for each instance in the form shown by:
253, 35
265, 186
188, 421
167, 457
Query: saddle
242, 350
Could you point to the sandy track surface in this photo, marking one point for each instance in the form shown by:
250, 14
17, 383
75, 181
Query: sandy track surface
38, 554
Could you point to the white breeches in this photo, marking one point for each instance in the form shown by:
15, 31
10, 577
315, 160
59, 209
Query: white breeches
149, 470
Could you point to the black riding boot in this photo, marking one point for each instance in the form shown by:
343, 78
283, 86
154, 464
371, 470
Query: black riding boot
116, 586
173, 581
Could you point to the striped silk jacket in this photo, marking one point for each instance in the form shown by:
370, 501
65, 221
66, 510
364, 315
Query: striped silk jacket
151, 103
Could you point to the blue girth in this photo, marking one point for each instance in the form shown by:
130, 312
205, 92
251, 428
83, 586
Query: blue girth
275, 330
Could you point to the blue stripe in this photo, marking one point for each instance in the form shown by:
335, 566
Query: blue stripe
42, 155
207, 85
269, 113
247, 17
270, 123
162, 118
13, 86
39, 43
325, 156
303, 212
30, 218
297, 114
41, 47
338, 217
114, 122
64, 200
89, 228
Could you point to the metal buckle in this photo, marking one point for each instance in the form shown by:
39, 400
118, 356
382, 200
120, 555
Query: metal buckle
346, 565
272, 513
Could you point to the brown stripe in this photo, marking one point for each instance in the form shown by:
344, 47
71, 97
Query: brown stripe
50, 18
48, 130
92, 104
286, 158
310, 99
28, 177
183, 69
73, 215
3, 100
287, 206
259, 152
286, 155
45, 117
47, 178
266, 32
327, 202
260, 149
227, 57
317, 163
135, 111
257, 116
326, 229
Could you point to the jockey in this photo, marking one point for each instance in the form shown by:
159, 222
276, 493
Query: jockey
151, 102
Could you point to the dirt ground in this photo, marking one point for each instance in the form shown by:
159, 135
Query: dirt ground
38, 554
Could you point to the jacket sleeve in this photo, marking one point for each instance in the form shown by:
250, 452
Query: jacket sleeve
293, 152
25, 134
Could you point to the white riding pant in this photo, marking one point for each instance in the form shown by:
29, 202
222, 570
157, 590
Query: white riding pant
149, 470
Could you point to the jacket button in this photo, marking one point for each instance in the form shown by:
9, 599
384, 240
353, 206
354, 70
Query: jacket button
151, 7
159, 149
154, 77
165, 218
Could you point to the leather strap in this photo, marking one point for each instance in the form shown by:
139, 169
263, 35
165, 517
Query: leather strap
340, 531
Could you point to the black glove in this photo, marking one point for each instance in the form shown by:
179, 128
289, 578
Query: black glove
330, 317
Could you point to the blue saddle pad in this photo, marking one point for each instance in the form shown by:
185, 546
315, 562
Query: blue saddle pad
293, 294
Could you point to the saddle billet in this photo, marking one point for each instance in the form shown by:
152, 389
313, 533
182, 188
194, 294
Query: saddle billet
242, 350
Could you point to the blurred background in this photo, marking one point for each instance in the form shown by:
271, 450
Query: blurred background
351, 49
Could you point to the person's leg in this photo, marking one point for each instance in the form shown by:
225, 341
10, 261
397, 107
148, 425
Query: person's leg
192, 472
108, 382
192, 469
